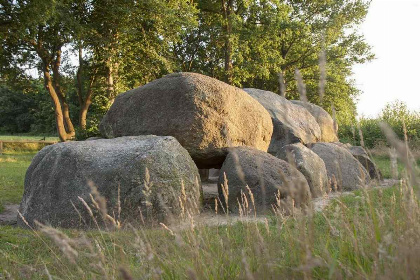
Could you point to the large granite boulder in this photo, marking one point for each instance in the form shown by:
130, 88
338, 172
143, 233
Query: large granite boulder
61, 173
292, 123
324, 120
309, 164
205, 115
266, 176
343, 169
363, 157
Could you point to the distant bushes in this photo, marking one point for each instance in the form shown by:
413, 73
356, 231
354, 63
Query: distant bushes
396, 114
26, 111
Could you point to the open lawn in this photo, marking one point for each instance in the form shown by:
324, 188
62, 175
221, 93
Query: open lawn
12, 174
20, 137
384, 165
21, 147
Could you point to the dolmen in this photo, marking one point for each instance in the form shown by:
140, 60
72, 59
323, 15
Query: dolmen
159, 140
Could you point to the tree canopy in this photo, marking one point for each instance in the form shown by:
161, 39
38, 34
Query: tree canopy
249, 43
88, 51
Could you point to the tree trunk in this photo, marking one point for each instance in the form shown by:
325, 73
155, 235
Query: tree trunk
84, 102
84, 107
59, 118
112, 69
65, 107
228, 44
83, 113
110, 80
79, 77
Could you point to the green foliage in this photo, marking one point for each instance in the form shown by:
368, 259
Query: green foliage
119, 45
16, 111
26, 109
247, 43
396, 115
91, 130
125, 45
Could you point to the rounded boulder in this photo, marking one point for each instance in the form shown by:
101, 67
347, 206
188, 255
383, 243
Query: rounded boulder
272, 182
324, 120
205, 115
124, 175
309, 164
344, 171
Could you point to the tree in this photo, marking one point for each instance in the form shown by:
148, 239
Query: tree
35, 32
119, 44
248, 43
398, 116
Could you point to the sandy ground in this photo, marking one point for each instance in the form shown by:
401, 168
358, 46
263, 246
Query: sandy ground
208, 215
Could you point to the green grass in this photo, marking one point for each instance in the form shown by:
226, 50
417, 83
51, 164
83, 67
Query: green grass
384, 165
12, 174
21, 137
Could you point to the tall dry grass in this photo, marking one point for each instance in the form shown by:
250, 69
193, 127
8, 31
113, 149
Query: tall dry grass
373, 234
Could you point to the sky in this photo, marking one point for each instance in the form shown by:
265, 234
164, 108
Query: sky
392, 28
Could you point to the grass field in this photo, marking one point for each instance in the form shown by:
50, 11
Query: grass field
19, 148
19, 137
12, 173
384, 165
357, 236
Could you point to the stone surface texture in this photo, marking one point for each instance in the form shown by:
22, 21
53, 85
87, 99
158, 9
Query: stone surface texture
345, 172
291, 123
309, 164
324, 120
266, 176
205, 115
61, 173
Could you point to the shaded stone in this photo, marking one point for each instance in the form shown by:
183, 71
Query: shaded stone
266, 176
343, 169
309, 164
291, 123
363, 157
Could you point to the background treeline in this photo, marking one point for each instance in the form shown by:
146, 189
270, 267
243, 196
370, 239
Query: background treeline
367, 131
63, 62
